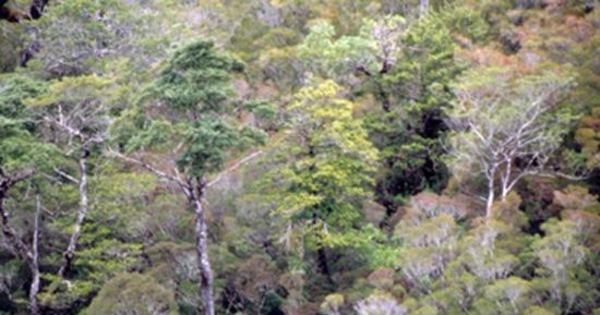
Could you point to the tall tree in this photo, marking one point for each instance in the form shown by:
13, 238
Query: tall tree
364, 59
183, 130
408, 135
326, 164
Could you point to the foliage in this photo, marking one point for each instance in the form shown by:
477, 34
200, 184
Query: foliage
382, 122
18, 145
329, 174
133, 294
411, 135
194, 111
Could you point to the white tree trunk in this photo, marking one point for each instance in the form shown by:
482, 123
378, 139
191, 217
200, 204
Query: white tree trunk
69, 254
423, 7
34, 261
206, 274
490, 198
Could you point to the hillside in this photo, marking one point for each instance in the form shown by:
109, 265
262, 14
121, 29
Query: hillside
300, 157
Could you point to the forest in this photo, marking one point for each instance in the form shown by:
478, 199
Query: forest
300, 157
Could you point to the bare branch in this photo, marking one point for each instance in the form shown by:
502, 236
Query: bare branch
65, 175
149, 167
234, 167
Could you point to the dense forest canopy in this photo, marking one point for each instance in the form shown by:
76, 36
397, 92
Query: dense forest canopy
300, 157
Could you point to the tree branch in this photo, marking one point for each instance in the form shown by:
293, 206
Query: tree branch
234, 167
152, 169
65, 175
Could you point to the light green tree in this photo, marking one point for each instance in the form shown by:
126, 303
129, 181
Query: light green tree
323, 173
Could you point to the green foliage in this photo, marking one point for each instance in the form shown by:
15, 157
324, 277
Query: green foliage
19, 146
333, 158
86, 36
464, 21
411, 135
133, 294
329, 219
196, 88
376, 46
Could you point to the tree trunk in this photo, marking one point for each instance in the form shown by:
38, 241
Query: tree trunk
506, 186
490, 198
206, 274
34, 261
324, 265
69, 254
423, 7
383, 96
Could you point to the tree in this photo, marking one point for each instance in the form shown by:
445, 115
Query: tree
21, 156
185, 122
560, 252
74, 111
132, 294
507, 125
87, 36
324, 171
411, 134
379, 304
368, 57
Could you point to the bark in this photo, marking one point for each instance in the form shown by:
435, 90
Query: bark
37, 8
324, 265
34, 261
423, 7
69, 253
385, 99
10, 15
491, 195
380, 92
196, 193
506, 178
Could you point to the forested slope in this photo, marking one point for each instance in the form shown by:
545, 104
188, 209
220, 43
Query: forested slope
300, 157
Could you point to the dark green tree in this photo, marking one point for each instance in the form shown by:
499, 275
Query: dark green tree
409, 134
183, 130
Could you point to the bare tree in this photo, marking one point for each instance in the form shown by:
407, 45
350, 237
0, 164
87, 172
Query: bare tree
507, 126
